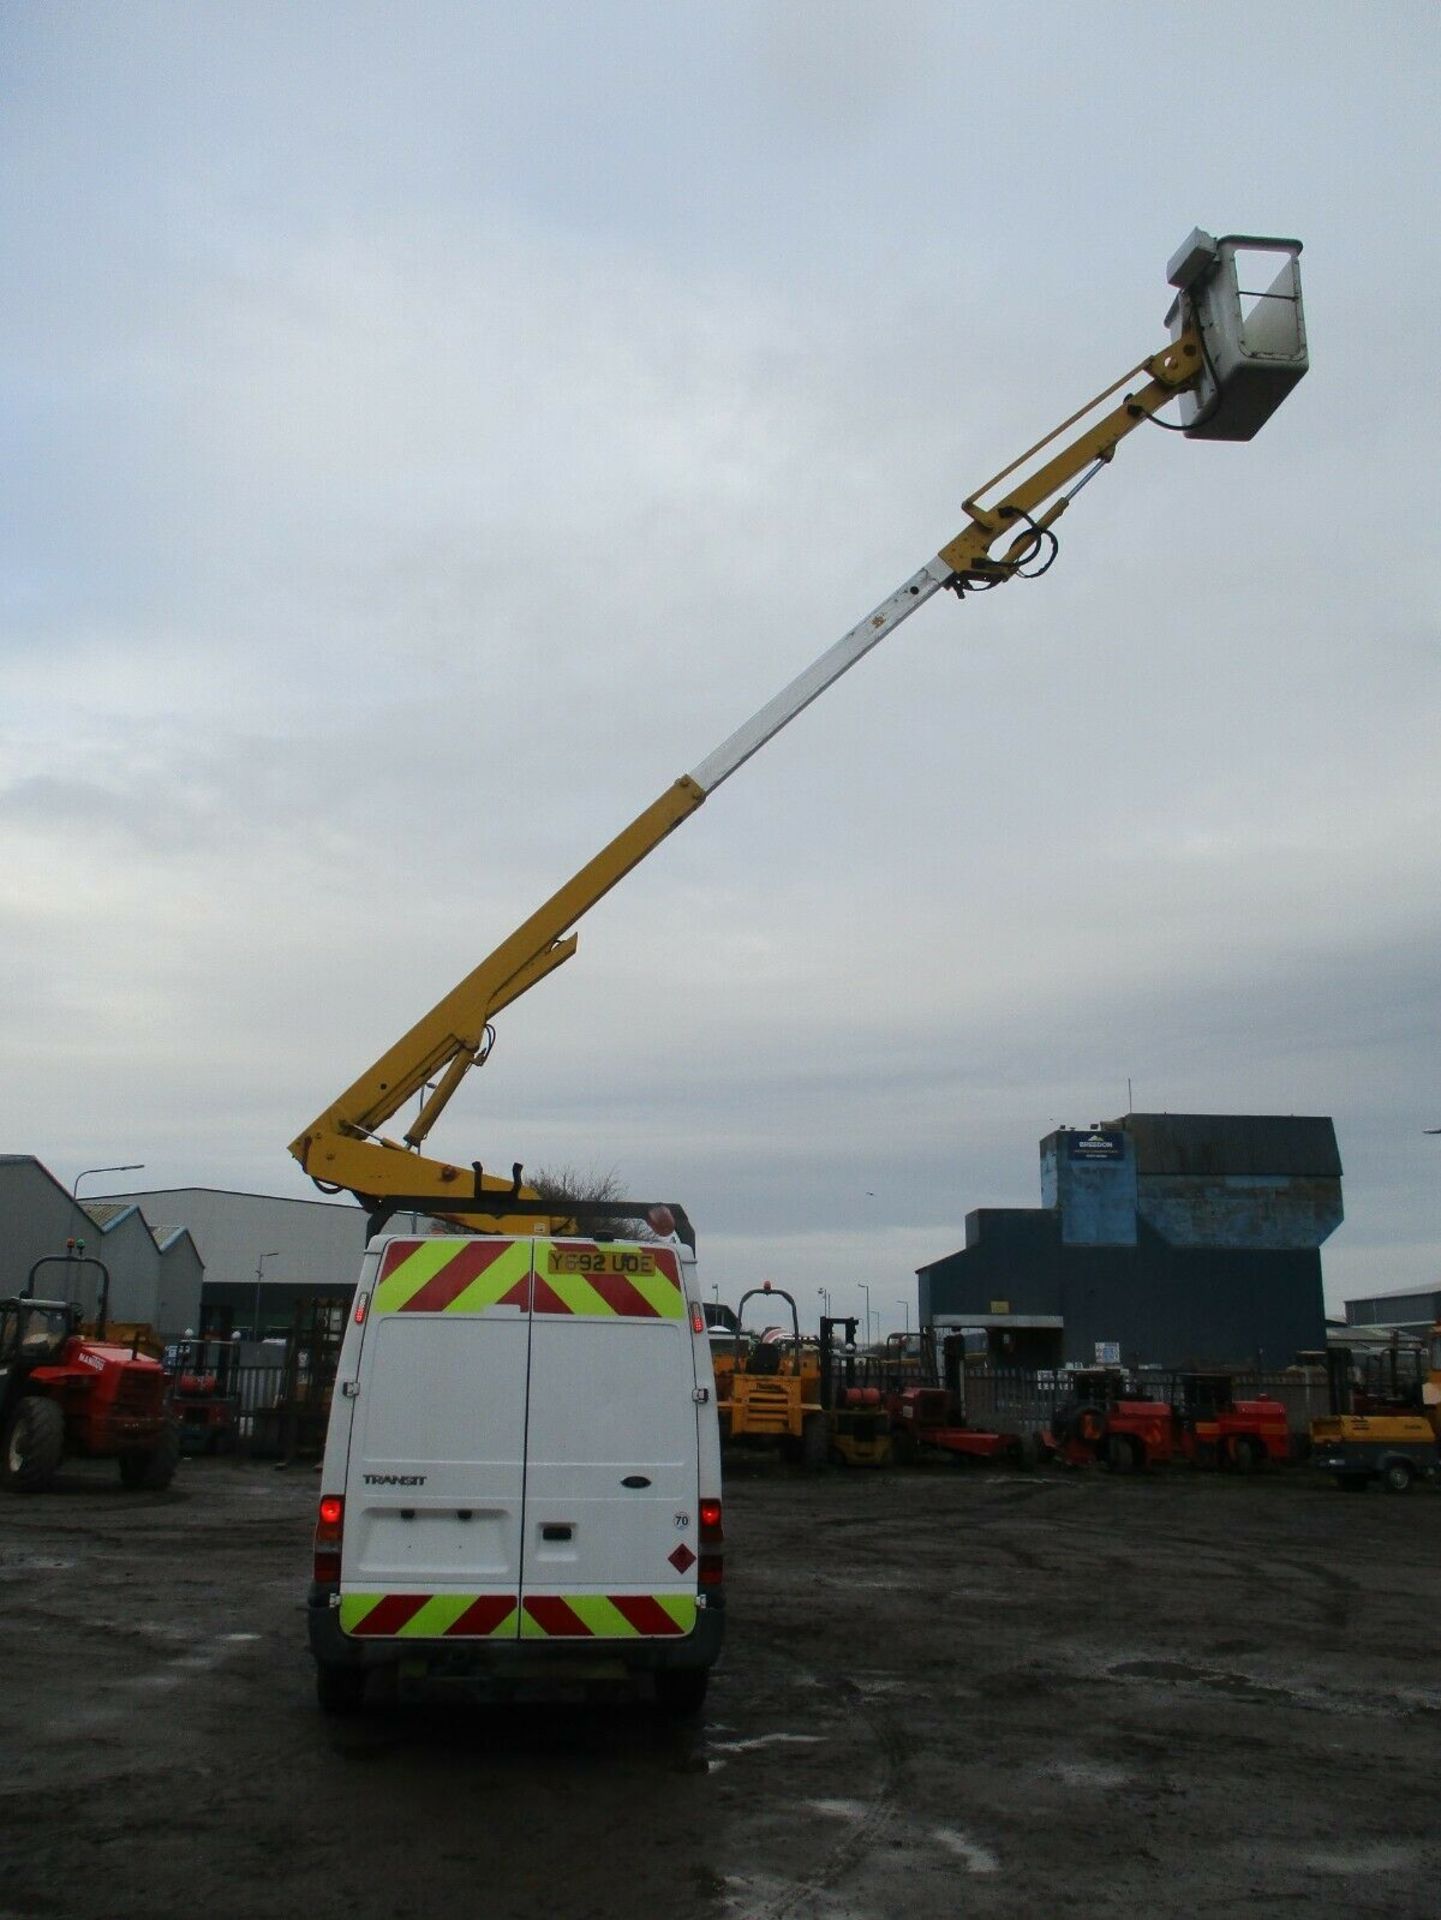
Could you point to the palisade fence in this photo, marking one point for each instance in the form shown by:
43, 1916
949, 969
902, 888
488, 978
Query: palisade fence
276, 1395
998, 1399
259, 1389
1022, 1400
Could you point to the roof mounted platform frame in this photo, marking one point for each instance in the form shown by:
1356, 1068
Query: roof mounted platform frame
564, 1218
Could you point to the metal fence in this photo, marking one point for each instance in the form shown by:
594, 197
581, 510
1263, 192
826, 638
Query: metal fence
259, 1389
269, 1398
1022, 1400
267, 1425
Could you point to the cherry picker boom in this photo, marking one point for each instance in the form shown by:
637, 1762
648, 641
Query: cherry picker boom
1233, 355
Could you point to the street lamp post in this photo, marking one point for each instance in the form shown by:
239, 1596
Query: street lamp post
905, 1307
867, 1292
274, 1254
130, 1166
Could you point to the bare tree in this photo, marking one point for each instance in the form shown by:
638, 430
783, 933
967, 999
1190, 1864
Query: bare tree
562, 1186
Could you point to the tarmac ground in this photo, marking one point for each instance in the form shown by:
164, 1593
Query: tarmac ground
944, 1692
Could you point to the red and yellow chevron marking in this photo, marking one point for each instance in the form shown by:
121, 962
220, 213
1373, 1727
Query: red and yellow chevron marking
575, 1277
650, 1290
429, 1616
606, 1616
450, 1276
492, 1616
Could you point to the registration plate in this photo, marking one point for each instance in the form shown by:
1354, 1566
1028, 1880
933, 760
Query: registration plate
600, 1260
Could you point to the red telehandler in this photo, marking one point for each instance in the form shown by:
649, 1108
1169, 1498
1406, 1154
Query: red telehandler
69, 1393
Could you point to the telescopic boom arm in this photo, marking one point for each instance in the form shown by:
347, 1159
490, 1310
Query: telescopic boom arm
341, 1148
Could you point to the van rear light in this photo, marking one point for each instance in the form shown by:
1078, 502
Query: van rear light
697, 1317
328, 1527
362, 1301
711, 1571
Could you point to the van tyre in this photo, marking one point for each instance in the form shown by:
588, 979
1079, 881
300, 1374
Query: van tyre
154, 1470
34, 1442
680, 1691
339, 1690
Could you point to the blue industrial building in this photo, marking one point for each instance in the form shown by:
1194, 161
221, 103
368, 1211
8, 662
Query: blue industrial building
1162, 1239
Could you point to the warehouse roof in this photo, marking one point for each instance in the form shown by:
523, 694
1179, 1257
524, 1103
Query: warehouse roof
106, 1212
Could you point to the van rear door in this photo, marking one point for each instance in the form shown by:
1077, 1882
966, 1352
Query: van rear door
435, 1486
612, 1450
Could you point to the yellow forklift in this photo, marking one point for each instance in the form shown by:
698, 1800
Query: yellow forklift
858, 1422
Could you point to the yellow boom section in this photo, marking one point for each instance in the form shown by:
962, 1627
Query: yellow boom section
337, 1147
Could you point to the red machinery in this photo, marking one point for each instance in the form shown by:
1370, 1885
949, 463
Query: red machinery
1216, 1430
68, 1393
926, 1414
926, 1417
1201, 1422
206, 1399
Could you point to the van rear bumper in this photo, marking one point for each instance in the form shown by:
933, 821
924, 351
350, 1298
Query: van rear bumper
513, 1659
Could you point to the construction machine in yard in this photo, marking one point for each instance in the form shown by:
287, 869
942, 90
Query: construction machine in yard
771, 1394
205, 1394
1385, 1422
1105, 1421
857, 1420
927, 1412
1127, 1429
1215, 1429
67, 1392
1235, 352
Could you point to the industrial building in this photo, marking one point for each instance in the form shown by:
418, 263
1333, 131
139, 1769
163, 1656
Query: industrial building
1414, 1311
155, 1266
1162, 1239
263, 1254
180, 1259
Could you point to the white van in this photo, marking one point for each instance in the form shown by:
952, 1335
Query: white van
522, 1471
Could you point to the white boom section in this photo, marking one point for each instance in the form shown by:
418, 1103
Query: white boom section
819, 675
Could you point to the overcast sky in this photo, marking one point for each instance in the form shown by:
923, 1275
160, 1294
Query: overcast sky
432, 429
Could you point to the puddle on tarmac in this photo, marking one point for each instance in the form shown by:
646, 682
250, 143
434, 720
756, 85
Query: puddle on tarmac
760, 1740
977, 1859
1379, 1859
1087, 1773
